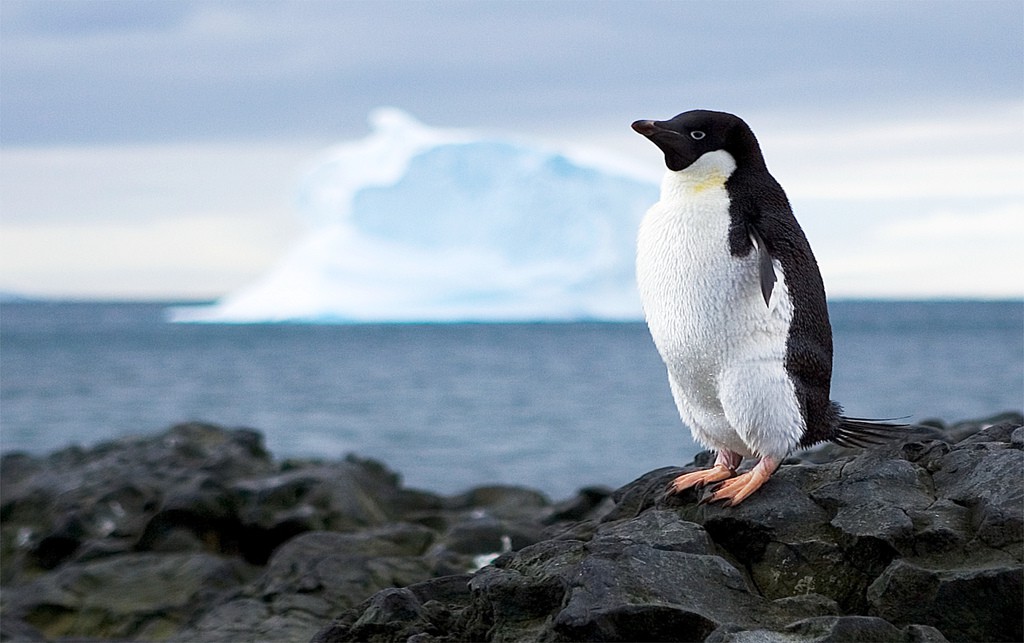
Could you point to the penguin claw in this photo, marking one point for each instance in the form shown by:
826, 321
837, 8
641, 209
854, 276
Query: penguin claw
708, 496
699, 479
711, 495
734, 491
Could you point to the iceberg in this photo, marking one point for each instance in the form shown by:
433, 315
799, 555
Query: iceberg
422, 224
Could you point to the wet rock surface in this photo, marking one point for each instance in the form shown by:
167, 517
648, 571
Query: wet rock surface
198, 534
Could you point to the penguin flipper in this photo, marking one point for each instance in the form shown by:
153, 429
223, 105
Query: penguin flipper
765, 267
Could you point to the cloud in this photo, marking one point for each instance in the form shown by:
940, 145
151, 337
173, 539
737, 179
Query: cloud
167, 220
976, 153
92, 71
133, 114
200, 255
942, 254
105, 183
960, 227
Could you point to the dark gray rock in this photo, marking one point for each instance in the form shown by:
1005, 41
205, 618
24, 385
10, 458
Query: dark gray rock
876, 545
79, 503
966, 604
240, 619
197, 534
658, 528
15, 629
316, 575
588, 501
325, 561
138, 596
967, 428
388, 609
520, 598
486, 534
986, 478
616, 594
501, 501
195, 490
344, 496
831, 629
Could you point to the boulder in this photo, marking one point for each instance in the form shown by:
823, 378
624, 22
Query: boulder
314, 576
197, 534
919, 539
132, 596
79, 504
141, 513
971, 603
831, 629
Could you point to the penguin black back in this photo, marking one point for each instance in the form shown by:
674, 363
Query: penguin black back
759, 206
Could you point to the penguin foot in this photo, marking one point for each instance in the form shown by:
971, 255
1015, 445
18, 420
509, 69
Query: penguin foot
700, 478
734, 491
724, 468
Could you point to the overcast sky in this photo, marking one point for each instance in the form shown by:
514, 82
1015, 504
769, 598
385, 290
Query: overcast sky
149, 148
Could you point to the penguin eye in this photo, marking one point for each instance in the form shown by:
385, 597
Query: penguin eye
697, 135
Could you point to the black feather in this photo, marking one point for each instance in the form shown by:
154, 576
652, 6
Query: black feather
863, 432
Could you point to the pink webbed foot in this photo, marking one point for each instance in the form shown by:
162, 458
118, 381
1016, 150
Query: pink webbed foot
733, 492
724, 468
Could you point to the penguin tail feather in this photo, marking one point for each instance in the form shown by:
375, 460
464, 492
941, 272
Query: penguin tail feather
864, 432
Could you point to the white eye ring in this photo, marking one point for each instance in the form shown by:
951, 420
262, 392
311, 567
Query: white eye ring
697, 134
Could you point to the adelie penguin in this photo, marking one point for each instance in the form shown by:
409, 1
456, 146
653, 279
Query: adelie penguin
736, 306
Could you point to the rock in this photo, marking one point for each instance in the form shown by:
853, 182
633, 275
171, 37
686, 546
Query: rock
400, 614
975, 476
484, 535
831, 629
326, 561
14, 629
317, 574
588, 500
917, 540
639, 592
966, 604
80, 504
141, 596
136, 505
198, 534
500, 500
1017, 438
966, 428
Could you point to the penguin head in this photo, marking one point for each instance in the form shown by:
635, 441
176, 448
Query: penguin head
688, 136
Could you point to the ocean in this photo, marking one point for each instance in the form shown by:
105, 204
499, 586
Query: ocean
551, 406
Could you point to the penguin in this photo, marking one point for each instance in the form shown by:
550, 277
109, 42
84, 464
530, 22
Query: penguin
735, 304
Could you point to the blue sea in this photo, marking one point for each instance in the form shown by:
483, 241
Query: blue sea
553, 406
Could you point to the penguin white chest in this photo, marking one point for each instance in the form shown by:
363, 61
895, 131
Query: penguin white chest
724, 348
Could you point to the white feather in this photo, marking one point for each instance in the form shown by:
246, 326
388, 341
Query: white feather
723, 348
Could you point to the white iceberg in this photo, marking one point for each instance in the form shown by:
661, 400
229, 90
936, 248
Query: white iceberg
415, 223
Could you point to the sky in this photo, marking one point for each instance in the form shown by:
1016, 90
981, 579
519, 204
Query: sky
150, 150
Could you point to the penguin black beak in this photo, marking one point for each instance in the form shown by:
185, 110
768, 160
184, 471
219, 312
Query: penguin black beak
647, 128
678, 152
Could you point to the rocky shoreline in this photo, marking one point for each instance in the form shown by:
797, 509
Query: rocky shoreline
198, 534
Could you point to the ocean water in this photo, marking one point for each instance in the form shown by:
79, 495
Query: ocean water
553, 406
